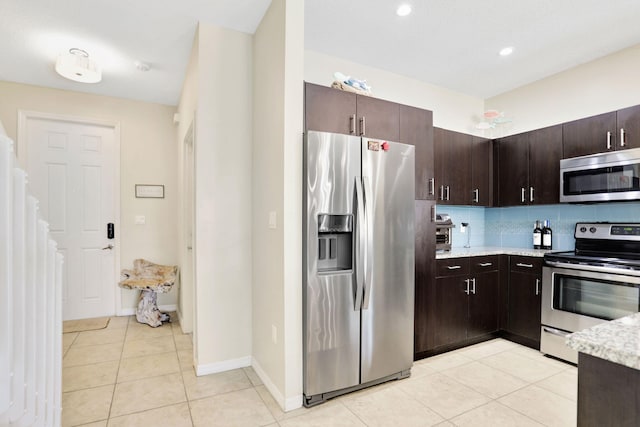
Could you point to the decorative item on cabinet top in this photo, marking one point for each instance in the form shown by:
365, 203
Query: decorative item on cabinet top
350, 84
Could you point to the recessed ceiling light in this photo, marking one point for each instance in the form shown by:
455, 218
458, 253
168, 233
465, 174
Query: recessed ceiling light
506, 51
403, 9
142, 66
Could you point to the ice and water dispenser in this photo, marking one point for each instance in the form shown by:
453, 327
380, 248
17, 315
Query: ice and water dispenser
335, 233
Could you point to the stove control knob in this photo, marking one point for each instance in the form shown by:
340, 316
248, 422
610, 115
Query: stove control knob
583, 229
592, 229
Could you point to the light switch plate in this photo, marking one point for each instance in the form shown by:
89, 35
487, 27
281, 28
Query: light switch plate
140, 220
273, 220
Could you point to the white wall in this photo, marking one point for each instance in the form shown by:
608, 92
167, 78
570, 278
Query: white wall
277, 154
222, 336
603, 85
147, 156
451, 110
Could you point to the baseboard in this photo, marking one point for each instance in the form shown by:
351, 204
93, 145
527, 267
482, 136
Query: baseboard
130, 311
288, 404
225, 365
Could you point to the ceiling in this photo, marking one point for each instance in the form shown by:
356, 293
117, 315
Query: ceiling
453, 43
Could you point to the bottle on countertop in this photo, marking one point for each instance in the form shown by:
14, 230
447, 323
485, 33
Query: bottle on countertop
547, 235
537, 236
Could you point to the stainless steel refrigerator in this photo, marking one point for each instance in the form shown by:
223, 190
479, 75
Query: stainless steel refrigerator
358, 263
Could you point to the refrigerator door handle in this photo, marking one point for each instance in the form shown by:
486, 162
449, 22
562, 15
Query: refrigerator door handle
368, 274
360, 245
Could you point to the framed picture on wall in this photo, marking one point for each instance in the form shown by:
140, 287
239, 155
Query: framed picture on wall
147, 191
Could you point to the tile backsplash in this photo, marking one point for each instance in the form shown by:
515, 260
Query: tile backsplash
512, 226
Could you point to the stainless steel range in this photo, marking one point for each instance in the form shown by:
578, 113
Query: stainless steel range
598, 282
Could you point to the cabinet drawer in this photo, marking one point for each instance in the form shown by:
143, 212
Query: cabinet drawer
481, 264
452, 267
525, 264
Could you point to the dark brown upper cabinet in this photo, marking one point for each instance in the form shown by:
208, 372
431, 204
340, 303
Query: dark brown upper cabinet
332, 110
529, 167
481, 172
628, 129
589, 136
452, 151
416, 128
329, 110
617, 130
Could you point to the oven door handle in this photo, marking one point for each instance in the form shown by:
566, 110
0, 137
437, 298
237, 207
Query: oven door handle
596, 268
557, 332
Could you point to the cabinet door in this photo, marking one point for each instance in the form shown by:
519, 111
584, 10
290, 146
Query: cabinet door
524, 305
425, 276
483, 304
481, 169
513, 165
592, 135
416, 128
378, 118
329, 110
545, 152
452, 152
451, 310
629, 120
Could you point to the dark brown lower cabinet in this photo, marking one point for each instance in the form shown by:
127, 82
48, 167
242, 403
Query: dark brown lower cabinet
425, 249
483, 305
466, 296
608, 393
451, 310
524, 300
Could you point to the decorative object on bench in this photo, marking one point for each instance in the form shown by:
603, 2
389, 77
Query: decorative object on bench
150, 279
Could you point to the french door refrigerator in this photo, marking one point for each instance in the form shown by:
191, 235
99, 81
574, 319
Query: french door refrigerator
358, 263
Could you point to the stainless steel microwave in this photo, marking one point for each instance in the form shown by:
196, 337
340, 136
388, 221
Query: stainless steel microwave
601, 177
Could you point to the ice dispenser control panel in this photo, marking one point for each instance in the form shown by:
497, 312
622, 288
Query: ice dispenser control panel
335, 233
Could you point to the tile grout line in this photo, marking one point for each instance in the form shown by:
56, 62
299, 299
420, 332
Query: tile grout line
113, 395
184, 385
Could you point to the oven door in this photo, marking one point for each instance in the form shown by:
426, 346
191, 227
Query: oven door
573, 300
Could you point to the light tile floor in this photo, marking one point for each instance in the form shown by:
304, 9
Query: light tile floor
132, 375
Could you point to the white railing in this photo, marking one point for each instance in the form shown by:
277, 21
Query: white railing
30, 304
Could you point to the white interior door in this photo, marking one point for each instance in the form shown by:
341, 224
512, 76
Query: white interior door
72, 172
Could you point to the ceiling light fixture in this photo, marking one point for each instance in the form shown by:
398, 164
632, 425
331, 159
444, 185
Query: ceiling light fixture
77, 66
506, 51
403, 9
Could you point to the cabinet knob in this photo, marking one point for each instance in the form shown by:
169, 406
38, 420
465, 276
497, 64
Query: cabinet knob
522, 194
363, 126
432, 186
608, 140
622, 141
531, 194
352, 124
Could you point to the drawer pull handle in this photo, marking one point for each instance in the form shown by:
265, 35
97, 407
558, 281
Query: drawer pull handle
485, 264
454, 267
524, 265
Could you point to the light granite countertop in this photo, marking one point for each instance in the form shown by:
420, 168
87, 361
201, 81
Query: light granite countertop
617, 341
490, 250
